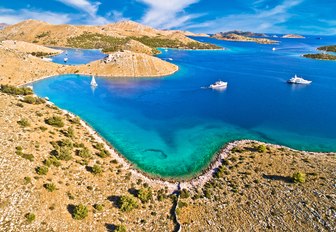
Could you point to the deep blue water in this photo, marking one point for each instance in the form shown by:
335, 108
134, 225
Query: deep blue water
77, 56
172, 126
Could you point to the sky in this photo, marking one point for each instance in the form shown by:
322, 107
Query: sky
208, 16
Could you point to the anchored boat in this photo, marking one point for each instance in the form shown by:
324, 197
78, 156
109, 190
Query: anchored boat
219, 85
298, 80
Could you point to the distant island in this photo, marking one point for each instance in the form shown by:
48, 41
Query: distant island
323, 56
293, 36
331, 48
244, 33
320, 56
241, 38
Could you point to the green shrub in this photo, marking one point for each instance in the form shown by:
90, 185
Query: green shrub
27, 180
103, 153
96, 169
84, 153
50, 187
80, 212
33, 100
120, 228
23, 122
55, 121
70, 132
52, 161
127, 203
98, 207
29, 157
30, 217
9, 89
184, 193
42, 170
145, 195
299, 177
262, 148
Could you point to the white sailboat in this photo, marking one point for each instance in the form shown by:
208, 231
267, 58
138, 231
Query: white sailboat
66, 59
93, 82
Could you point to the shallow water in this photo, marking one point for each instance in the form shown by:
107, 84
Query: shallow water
172, 127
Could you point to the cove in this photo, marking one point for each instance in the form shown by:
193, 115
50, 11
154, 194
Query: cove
171, 127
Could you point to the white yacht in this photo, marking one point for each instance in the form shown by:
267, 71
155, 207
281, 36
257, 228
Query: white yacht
219, 85
298, 80
66, 59
93, 82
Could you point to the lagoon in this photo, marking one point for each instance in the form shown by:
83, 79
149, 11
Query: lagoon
172, 126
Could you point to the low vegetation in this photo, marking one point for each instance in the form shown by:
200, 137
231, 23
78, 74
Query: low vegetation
331, 48
23, 122
320, 56
51, 187
299, 177
127, 203
30, 217
9, 89
55, 121
80, 212
33, 100
41, 54
97, 41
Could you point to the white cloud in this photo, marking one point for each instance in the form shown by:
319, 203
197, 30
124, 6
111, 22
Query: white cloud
83, 5
167, 13
265, 20
11, 16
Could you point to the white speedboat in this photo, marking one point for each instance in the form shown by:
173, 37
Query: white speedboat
219, 85
93, 82
66, 59
273, 49
298, 80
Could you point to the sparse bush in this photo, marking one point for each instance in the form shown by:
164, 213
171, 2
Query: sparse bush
50, 187
84, 153
23, 122
103, 153
145, 195
30, 217
9, 89
27, 180
80, 212
33, 100
127, 203
29, 157
55, 121
98, 207
42, 170
184, 193
96, 169
262, 148
299, 177
120, 228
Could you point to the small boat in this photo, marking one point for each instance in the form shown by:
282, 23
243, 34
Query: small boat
170, 59
93, 82
298, 80
166, 50
273, 49
219, 85
66, 59
46, 98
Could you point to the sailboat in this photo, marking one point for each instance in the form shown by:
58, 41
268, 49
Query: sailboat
93, 82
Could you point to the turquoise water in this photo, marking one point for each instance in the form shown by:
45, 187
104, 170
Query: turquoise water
172, 127
77, 56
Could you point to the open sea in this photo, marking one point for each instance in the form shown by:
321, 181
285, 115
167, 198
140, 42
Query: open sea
172, 126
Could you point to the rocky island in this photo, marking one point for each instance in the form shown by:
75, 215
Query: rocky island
293, 36
323, 56
241, 38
